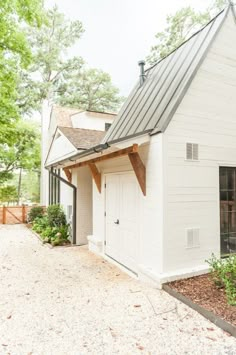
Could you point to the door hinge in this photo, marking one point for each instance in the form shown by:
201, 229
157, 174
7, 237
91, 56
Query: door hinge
105, 243
105, 185
105, 214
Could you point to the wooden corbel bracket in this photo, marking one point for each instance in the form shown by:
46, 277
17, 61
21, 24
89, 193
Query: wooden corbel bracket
96, 176
68, 174
139, 170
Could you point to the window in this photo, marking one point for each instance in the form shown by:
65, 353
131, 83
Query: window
228, 210
107, 126
191, 151
54, 188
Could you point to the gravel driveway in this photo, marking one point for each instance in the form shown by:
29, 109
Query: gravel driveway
68, 301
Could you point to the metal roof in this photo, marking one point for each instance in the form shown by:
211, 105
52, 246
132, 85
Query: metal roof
150, 107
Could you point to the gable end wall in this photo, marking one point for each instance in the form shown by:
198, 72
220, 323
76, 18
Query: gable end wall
206, 116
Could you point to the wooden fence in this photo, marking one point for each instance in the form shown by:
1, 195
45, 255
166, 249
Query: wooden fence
14, 214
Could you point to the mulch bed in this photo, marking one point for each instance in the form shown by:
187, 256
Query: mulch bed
202, 291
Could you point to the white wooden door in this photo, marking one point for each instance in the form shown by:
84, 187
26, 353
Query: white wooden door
122, 221
112, 216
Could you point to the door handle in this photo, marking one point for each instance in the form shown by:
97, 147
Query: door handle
117, 222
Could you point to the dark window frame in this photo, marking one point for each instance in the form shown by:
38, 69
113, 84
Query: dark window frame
227, 196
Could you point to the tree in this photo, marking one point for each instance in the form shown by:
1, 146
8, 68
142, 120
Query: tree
180, 27
90, 89
22, 152
8, 193
49, 46
14, 53
52, 75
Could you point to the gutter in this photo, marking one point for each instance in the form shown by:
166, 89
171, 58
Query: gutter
97, 149
74, 202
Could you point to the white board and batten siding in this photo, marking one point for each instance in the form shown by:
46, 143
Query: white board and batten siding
147, 234
206, 117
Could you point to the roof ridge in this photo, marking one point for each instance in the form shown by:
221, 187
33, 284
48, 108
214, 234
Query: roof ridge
82, 129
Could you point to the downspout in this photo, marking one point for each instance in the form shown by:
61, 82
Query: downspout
74, 201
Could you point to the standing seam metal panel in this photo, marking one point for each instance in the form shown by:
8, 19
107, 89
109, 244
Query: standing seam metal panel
150, 106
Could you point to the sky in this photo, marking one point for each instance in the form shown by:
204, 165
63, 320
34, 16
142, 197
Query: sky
119, 33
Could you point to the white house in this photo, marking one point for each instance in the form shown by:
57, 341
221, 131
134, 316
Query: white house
71, 132
164, 177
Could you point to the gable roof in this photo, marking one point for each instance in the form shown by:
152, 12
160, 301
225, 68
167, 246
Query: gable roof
82, 138
63, 115
150, 107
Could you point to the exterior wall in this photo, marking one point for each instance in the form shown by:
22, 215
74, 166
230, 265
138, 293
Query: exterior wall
151, 213
91, 120
45, 134
206, 116
84, 204
60, 149
66, 196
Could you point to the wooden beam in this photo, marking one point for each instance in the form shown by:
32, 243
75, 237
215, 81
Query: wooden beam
96, 176
68, 174
139, 169
4, 215
117, 154
23, 214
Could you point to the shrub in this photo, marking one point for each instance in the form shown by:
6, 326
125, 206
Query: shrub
223, 272
52, 227
39, 224
56, 216
35, 212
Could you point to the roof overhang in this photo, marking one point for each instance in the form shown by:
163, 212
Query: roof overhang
100, 149
132, 152
105, 152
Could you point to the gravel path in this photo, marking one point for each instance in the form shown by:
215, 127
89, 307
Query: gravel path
68, 301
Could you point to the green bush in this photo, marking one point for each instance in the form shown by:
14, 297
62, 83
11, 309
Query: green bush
35, 212
52, 227
223, 273
39, 224
56, 216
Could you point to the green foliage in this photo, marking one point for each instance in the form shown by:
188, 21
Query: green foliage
49, 44
22, 149
8, 194
223, 272
35, 212
40, 223
180, 27
14, 53
30, 186
56, 216
66, 81
90, 89
55, 235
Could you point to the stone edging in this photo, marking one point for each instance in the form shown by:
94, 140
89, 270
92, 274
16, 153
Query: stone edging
48, 245
219, 322
40, 239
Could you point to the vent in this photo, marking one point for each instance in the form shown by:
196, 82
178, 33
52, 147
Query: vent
191, 151
193, 238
